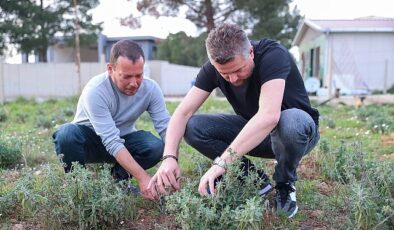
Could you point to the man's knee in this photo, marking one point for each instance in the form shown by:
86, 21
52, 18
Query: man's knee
151, 155
294, 123
156, 150
66, 135
192, 135
67, 139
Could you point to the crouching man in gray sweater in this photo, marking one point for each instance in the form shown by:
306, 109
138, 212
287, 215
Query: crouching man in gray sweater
103, 129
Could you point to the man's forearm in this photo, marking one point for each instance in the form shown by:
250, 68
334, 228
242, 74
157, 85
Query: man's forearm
124, 158
175, 131
253, 133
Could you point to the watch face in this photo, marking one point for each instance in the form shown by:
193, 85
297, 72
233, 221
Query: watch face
220, 162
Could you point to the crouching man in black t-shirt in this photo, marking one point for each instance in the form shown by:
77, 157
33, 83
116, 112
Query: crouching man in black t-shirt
274, 118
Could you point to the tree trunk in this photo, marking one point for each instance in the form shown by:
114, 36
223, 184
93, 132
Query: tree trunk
42, 50
42, 55
210, 24
77, 48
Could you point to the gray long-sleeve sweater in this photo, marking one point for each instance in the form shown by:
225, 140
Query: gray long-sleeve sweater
112, 114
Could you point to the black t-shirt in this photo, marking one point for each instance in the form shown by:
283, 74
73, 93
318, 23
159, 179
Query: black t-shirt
272, 61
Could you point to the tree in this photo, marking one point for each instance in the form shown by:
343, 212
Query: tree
32, 25
271, 19
182, 49
203, 13
268, 18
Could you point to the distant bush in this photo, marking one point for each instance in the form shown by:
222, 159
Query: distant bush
3, 115
391, 90
378, 120
10, 151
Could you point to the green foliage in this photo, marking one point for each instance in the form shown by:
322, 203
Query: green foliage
271, 19
378, 120
266, 18
370, 182
10, 151
372, 197
358, 194
343, 164
182, 49
78, 199
32, 25
235, 204
391, 90
3, 115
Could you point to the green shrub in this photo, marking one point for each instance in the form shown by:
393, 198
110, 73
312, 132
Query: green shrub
10, 151
363, 205
21, 117
371, 184
391, 90
68, 112
44, 122
381, 124
378, 120
3, 115
235, 205
79, 200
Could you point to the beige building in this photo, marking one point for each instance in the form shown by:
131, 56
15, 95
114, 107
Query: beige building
355, 56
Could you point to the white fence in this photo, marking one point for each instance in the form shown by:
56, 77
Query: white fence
53, 80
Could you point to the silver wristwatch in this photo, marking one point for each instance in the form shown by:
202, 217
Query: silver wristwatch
220, 162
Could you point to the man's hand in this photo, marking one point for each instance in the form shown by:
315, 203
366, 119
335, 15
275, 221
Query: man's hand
167, 177
208, 180
143, 185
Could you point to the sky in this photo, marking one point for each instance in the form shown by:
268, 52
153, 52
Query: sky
151, 26
312, 9
110, 11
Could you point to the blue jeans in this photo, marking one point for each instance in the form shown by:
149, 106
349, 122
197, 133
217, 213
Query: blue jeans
79, 143
295, 135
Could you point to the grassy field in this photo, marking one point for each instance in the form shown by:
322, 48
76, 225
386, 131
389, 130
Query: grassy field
347, 182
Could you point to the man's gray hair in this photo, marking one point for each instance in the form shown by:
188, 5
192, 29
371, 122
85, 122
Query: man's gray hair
226, 42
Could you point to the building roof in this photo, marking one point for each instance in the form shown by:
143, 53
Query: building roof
364, 24
105, 38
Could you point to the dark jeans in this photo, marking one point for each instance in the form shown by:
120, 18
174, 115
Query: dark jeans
295, 135
79, 143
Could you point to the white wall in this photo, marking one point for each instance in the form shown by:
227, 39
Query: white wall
52, 80
364, 55
174, 80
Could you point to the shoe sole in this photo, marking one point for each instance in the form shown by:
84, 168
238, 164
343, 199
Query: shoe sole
293, 214
265, 190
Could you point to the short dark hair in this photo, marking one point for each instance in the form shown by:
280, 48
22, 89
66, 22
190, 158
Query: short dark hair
225, 42
126, 48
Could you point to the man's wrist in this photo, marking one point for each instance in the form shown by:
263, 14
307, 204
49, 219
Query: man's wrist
220, 162
169, 156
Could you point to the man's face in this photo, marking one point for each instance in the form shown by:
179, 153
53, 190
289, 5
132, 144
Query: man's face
127, 75
237, 70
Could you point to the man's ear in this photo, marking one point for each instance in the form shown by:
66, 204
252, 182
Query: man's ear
110, 68
251, 53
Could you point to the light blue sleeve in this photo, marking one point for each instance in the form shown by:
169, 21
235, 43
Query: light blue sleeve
158, 111
97, 109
